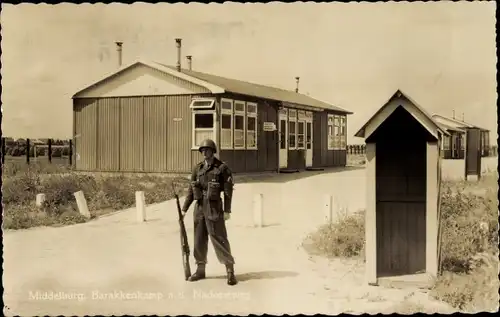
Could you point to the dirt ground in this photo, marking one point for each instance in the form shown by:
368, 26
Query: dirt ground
115, 265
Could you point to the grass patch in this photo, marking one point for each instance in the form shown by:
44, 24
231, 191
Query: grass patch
469, 219
104, 194
17, 166
342, 238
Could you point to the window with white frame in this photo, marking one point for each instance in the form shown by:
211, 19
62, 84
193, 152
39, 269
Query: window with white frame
292, 144
343, 134
203, 120
292, 129
331, 135
251, 135
446, 142
239, 124
301, 135
226, 124
336, 129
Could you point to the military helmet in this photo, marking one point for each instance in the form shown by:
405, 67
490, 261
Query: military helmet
207, 143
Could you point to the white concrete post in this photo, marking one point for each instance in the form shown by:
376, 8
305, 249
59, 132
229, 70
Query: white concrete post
140, 205
82, 204
258, 210
328, 208
40, 199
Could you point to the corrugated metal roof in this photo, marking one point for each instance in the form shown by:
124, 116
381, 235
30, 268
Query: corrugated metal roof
450, 128
267, 92
460, 123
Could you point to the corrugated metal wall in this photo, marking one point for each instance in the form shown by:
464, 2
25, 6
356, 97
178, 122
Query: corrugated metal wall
85, 111
133, 134
179, 134
108, 134
155, 134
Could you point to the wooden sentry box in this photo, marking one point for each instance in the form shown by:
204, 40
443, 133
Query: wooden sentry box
402, 170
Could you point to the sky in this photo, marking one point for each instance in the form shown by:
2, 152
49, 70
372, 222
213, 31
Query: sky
353, 55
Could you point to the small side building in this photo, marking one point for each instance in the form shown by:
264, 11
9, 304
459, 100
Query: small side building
454, 146
403, 179
150, 117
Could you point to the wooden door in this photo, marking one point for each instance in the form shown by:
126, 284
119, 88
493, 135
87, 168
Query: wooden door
473, 156
401, 208
283, 150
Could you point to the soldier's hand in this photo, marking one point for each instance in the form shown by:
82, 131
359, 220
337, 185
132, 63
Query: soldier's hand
227, 216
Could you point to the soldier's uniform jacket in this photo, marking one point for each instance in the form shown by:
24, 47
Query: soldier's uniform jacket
207, 184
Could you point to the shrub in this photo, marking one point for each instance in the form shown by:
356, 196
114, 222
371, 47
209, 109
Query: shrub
56, 152
461, 216
65, 151
20, 189
471, 292
118, 191
40, 151
102, 193
343, 238
18, 150
59, 191
27, 216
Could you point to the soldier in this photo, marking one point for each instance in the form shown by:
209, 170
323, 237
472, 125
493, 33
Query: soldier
209, 178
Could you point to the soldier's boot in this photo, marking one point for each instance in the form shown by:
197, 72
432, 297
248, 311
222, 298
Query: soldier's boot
199, 274
231, 278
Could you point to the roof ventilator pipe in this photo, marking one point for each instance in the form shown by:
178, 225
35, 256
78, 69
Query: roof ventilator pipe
119, 51
178, 44
297, 86
190, 62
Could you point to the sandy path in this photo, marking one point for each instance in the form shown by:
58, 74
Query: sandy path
117, 254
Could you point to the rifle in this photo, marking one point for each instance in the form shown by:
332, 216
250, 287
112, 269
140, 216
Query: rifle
184, 239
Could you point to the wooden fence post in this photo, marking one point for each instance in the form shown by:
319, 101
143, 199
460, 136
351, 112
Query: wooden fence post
49, 154
27, 151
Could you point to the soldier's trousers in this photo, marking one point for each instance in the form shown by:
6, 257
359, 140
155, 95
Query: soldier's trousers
216, 230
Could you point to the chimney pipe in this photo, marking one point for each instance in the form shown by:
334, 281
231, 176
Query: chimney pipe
190, 62
178, 44
119, 50
463, 117
297, 86
453, 114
